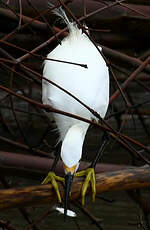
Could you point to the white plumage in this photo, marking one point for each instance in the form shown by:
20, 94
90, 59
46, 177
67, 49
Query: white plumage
90, 85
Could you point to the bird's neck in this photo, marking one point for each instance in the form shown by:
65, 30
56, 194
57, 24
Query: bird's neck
71, 150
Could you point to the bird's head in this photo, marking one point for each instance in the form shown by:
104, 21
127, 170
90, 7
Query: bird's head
71, 152
70, 158
69, 174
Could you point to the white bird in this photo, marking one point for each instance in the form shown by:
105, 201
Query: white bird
90, 85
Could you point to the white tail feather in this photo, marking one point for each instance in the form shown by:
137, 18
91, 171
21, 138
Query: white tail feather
61, 13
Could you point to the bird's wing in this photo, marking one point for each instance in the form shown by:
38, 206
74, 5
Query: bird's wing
44, 92
101, 100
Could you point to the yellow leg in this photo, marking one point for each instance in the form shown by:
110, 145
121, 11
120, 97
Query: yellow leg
90, 177
51, 177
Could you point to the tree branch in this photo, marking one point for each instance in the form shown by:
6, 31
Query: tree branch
111, 181
10, 162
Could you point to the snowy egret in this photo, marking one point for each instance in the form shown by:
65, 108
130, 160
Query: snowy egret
90, 85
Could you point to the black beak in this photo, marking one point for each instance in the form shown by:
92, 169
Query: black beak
68, 182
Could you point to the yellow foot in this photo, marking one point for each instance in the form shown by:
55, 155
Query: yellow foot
51, 177
90, 177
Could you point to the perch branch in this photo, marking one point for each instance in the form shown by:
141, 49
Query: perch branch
111, 181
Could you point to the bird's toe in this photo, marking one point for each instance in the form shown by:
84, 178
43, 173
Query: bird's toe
51, 177
90, 178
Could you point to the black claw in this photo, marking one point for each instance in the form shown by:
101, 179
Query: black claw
68, 182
